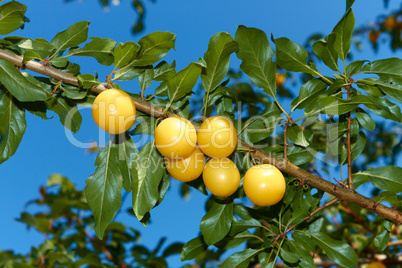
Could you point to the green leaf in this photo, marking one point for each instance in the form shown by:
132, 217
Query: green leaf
73, 93
73, 36
183, 81
299, 156
87, 81
325, 50
39, 47
384, 108
100, 49
384, 178
164, 71
364, 119
193, 248
293, 57
103, 188
354, 67
217, 59
124, 53
256, 55
349, 4
67, 111
154, 47
11, 17
309, 93
240, 259
303, 240
335, 106
12, 126
59, 62
127, 152
357, 147
31, 55
390, 68
18, 85
260, 127
172, 249
338, 251
145, 79
289, 257
381, 240
297, 135
215, 225
146, 174
343, 31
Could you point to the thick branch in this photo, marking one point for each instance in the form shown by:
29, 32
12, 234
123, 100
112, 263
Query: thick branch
281, 164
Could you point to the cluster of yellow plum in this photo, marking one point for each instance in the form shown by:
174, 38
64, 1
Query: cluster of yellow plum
184, 147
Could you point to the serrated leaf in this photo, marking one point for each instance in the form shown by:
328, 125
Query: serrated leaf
240, 259
67, 111
293, 57
217, 59
71, 37
11, 17
103, 188
343, 31
146, 174
256, 55
325, 50
384, 178
12, 125
124, 53
215, 225
154, 47
183, 81
193, 248
100, 49
338, 251
18, 85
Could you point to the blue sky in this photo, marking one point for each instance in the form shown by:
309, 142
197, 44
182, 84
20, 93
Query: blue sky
45, 149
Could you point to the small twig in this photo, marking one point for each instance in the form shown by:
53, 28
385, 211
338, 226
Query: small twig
329, 203
285, 141
348, 144
356, 217
394, 243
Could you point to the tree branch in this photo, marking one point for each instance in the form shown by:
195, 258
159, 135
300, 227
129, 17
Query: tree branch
264, 158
